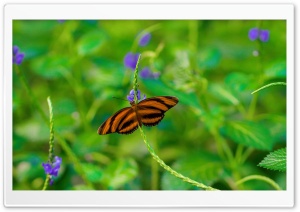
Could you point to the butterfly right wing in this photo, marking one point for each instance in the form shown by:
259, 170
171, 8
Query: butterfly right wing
152, 110
123, 122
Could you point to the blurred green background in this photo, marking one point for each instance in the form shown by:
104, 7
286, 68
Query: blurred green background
217, 134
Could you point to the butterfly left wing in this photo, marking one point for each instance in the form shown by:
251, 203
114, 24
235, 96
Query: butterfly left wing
151, 111
123, 122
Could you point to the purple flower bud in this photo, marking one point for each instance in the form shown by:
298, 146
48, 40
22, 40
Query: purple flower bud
147, 73
138, 95
47, 167
144, 40
130, 60
131, 92
264, 35
57, 161
19, 58
53, 169
130, 97
253, 34
51, 181
15, 50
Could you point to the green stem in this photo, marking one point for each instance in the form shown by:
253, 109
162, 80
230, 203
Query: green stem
64, 145
51, 142
46, 182
62, 142
135, 85
252, 107
169, 169
154, 171
79, 97
261, 178
246, 154
269, 85
155, 157
239, 153
193, 38
30, 93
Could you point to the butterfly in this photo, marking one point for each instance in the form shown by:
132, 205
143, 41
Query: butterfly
148, 112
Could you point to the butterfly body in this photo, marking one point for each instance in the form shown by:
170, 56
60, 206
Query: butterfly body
148, 112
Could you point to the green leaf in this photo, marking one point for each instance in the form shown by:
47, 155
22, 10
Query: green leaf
201, 166
120, 172
276, 70
275, 160
51, 67
91, 42
240, 82
277, 127
93, 172
209, 58
248, 133
108, 74
33, 130
221, 93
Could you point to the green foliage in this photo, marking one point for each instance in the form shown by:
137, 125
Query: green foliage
52, 66
215, 135
275, 160
201, 166
119, 172
91, 42
250, 134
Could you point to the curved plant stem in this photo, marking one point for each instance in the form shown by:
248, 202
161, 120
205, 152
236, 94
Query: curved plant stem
169, 169
155, 157
261, 178
269, 85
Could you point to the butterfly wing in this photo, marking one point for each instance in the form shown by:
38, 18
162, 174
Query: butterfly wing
123, 122
151, 111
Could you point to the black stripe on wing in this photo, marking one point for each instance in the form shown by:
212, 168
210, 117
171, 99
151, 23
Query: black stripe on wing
111, 124
128, 127
152, 119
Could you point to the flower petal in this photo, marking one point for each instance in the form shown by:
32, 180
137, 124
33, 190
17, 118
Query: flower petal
130, 60
253, 33
47, 168
144, 40
264, 35
15, 50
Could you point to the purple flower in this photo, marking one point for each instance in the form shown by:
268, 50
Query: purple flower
253, 34
145, 38
264, 35
261, 34
130, 97
15, 50
147, 73
130, 60
52, 169
61, 21
17, 56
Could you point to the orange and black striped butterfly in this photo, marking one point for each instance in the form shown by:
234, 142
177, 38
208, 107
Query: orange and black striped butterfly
148, 112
